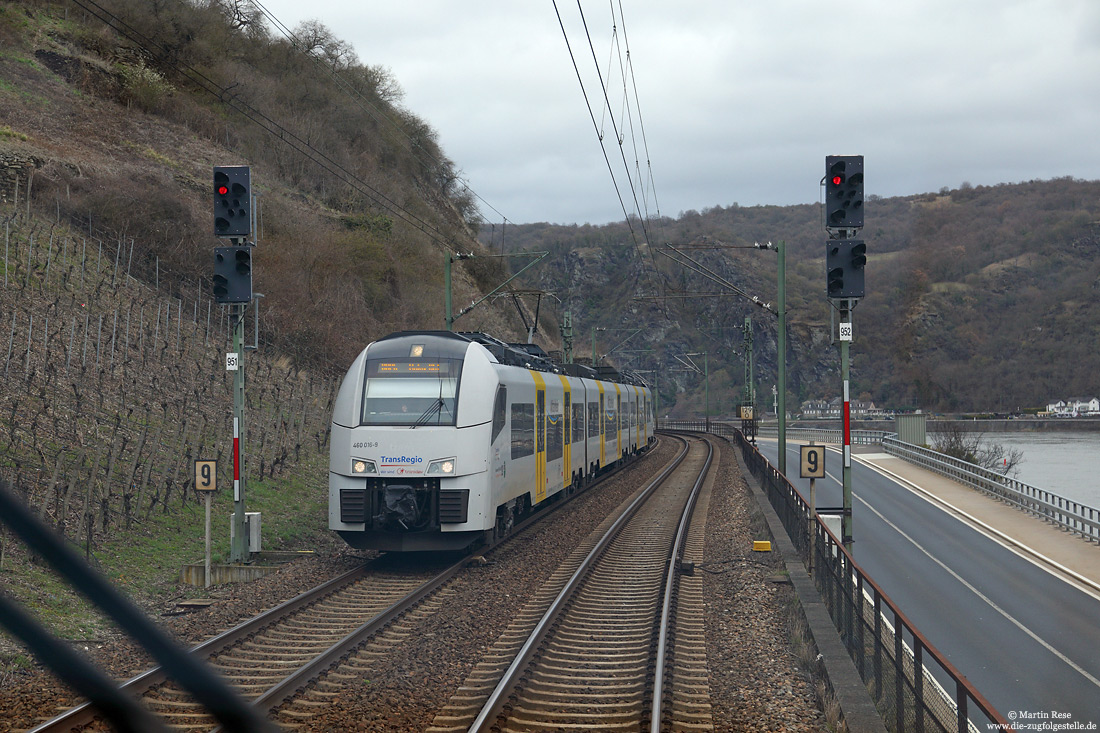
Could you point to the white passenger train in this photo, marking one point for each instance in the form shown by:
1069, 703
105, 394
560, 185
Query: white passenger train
442, 440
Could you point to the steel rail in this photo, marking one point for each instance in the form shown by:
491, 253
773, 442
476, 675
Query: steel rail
293, 684
497, 699
83, 714
86, 713
656, 710
298, 680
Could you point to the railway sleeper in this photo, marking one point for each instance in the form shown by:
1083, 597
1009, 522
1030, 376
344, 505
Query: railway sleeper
172, 707
264, 650
555, 721
555, 718
691, 724
307, 703
591, 659
455, 712
693, 711
571, 687
533, 694
605, 679
446, 724
253, 664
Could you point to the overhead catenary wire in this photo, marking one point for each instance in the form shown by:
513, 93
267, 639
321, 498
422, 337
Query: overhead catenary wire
641, 124
684, 261
614, 124
642, 212
592, 116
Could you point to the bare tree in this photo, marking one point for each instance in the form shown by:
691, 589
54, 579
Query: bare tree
315, 39
973, 448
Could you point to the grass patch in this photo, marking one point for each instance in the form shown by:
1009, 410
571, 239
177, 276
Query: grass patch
294, 508
52, 602
154, 156
294, 516
145, 562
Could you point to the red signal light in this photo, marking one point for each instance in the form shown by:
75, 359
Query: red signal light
837, 180
223, 189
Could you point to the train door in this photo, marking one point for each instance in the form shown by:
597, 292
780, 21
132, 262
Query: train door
603, 432
619, 422
567, 432
540, 437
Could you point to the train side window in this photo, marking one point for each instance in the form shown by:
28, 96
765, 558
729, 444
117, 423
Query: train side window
555, 435
523, 429
500, 411
593, 419
578, 421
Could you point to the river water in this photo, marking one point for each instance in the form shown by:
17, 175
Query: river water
1065, 463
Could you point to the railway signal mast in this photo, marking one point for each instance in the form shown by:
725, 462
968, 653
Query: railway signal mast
233, 285
845, 260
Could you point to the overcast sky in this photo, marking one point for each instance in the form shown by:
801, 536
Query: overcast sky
740, 100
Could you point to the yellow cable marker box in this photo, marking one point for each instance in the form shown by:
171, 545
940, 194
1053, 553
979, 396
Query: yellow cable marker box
761, 546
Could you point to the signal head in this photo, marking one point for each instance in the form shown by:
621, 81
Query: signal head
844, 192
845, 262
232, 201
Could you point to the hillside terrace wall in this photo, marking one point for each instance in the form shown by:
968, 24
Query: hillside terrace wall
15, 170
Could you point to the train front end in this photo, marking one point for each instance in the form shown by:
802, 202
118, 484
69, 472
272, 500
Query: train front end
408, 460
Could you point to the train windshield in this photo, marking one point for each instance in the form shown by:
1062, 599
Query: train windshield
411, 391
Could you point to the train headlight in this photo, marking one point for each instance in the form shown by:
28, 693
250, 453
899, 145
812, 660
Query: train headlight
360, 466
445, 467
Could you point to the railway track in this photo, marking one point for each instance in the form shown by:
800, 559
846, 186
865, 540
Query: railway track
610, 643
291, 661
271, 657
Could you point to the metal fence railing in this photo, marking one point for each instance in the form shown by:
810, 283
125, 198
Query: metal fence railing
717, 427
914, 687
1073, 516
826, 435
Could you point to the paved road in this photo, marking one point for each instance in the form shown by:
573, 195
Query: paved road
1029, 641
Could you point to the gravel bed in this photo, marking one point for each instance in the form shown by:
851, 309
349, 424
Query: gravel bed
407, 689
28, 697
756, 682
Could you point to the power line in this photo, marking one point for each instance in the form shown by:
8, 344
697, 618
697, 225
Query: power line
642, 215
641, 124
684, 261
592, 116
614, 125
